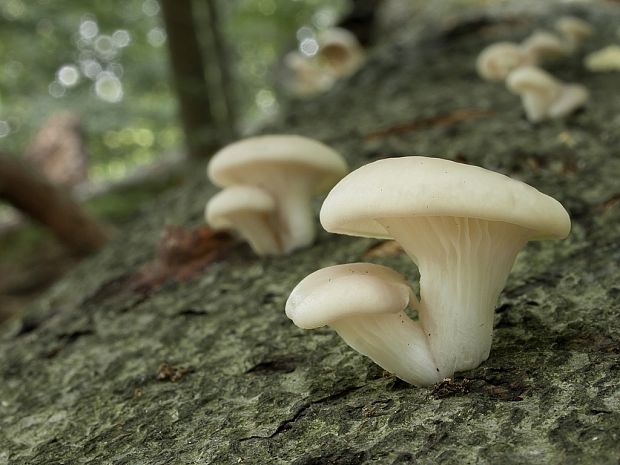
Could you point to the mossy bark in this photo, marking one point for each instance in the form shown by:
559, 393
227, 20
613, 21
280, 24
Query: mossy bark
80, 372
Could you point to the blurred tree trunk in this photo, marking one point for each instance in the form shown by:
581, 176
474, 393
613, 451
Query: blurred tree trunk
26, 189
360, 19
189, 78
222, 55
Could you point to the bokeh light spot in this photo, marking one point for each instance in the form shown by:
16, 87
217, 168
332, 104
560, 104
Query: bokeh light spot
68, 75
89, 29
267, 7
325, 17
108, 87
121, 38
105, 47
304, 32
5, 129
309, 47
56, 89
156, 37
150, 7
90, 68
265, 99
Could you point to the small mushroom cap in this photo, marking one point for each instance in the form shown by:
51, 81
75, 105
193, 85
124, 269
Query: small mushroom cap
605, 59
344, 291
574, 28
236, 200
497, 60
531, 79
544, 45
422, 186
252, 160
308, 77
338, 37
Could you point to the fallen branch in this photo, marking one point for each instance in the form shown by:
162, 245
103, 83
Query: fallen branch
447, 119
22, 186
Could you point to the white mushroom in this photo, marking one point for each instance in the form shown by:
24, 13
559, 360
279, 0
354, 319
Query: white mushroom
574, 30
605, 59
496, 61
544, 96
366, 304
291, 168
249, 211
308, 76
542, 45
462, 225
341, 51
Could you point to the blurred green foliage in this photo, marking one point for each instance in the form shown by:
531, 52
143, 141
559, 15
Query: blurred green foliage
108, 62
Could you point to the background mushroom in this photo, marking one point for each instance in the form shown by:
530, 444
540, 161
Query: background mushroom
462, 225
308, 77
291, 168
341, 51
605, 59
544, 96
497, 60
542, 45
574, 31
249, 211
366, 304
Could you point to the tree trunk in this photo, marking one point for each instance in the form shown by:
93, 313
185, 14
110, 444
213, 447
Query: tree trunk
226, 80
197, 116
27, 190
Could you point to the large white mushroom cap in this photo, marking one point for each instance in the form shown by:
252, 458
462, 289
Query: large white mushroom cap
424, 186
256, 160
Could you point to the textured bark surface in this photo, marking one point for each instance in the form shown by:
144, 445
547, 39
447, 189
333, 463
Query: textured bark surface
82, 380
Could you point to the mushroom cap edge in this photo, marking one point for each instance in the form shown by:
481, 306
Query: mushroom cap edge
425, 186
340, 291
235, 163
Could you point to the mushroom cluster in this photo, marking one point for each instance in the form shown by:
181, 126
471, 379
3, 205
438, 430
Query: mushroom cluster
543, 96
461, 225
269, 182
339, 55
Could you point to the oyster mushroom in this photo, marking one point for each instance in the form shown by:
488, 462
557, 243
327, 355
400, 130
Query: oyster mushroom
544, 96
462, 225
291, 169
249, 211
366, 304
341, 51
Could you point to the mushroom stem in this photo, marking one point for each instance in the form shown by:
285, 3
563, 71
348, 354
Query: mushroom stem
464, 264
395, 343
259, 232
295, 216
